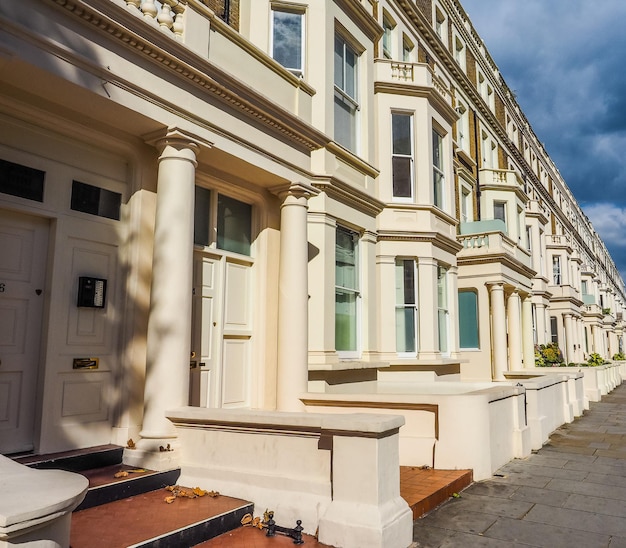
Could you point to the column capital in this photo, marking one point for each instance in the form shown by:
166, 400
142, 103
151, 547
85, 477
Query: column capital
495, 286
296, 190
176, 138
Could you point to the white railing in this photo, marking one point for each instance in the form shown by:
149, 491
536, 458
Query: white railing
168, 14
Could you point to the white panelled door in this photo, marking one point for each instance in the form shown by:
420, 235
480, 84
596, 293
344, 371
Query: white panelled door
23, 253
222, 332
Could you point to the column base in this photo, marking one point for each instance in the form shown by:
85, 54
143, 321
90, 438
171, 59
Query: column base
154, 454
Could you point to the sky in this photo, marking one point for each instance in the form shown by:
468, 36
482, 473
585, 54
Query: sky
565, 61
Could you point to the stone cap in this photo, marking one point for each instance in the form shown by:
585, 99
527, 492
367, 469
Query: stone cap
348, 424
33, 495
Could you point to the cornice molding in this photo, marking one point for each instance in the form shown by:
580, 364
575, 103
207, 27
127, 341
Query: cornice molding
359, 16
153, 44
410, 90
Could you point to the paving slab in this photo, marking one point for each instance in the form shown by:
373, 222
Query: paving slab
543, 496
577, 520
568, 494
595, 505
548, 536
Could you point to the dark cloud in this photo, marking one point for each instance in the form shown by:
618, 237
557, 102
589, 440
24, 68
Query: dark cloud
564, 60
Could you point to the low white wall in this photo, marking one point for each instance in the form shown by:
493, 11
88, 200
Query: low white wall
597, 381
547, 406
479, 430
340, 475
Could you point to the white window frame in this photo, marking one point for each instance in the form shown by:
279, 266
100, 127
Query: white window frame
400, 263
459, 51
342, 95
411, 198
443, 310
294, 11
408, 49
557, 276
500, 205
388, 36
462, 126
466, 209
440, 20
489, 151
438, 169
355, 353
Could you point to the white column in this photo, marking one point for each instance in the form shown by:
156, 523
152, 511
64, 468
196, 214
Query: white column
569, 338
293, 296
169, 322
498, 331
515, 331
596, 335
528, 344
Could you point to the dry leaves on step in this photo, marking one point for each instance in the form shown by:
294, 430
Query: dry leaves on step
248, 520
125, 473
180, 492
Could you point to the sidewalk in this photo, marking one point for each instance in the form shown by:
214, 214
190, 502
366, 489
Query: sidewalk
570, 494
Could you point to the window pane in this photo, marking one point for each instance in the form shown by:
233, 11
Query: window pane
288, 39
443, 330
468, 319
201, 210
339, 62
405, 329
350, 72
21, 181
402, 187
438, 188
345, 320
437, 150
345, 123
234, 225
346, 260
95, 200
401, 132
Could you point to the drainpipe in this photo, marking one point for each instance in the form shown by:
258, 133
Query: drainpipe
477, 171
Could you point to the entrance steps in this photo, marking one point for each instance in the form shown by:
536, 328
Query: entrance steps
130, 511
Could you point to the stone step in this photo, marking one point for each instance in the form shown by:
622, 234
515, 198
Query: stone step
147, 520
76, 460
105, 487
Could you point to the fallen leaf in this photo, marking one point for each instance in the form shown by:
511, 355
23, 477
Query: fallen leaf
170, 499
199, 492
120, 474
245, 520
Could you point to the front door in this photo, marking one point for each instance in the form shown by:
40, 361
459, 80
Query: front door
23, 253
222, 331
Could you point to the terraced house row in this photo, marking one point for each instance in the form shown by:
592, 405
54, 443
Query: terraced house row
214, 212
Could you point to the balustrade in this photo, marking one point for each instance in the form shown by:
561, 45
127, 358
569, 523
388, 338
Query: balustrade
167, 14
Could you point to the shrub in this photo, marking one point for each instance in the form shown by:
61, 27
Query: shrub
620, 356
595, 360
548, 355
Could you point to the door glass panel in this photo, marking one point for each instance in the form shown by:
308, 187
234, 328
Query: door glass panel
234, 225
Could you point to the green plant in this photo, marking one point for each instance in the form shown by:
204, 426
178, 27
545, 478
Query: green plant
619, 356
595, 360
548, 355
